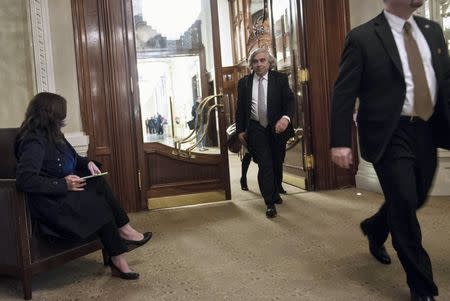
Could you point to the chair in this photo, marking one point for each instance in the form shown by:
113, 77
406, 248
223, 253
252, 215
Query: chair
23, 253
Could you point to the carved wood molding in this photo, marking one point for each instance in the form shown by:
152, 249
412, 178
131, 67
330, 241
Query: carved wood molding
42, 47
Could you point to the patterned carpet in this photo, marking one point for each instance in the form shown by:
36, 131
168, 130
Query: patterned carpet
229, 251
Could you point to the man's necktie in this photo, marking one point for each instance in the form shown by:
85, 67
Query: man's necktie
422, 99
262, 110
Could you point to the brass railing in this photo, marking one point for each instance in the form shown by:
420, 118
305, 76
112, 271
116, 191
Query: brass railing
294, 140
203, 105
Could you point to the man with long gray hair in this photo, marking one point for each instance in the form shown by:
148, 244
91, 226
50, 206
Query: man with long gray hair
263, 116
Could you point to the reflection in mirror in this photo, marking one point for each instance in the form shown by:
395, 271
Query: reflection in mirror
166, 103
176, 72
282, 32
259, 22
286, 51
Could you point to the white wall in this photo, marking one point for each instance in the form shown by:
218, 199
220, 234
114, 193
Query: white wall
63, 50
362, 11
17, 71
17, 83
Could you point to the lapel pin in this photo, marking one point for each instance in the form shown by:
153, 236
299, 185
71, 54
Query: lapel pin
427, 26
439, 50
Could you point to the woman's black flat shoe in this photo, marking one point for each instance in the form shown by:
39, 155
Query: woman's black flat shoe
147, 236
118, 273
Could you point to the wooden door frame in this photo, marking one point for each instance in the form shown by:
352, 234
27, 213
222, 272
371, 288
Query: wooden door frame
135, 100
307, 130
300, 62
219, 90
326, 25
108, 88
105, 89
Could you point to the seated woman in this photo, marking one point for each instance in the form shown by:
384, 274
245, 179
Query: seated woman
64, 205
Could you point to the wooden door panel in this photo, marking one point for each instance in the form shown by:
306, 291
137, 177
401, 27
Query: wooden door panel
105, 93
171, 175
326, 23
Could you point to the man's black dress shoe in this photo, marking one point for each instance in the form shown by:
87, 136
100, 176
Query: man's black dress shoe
281, 190
244, 184
279, 201
379, 252
118, 273
415, 297
147, 236
271, 211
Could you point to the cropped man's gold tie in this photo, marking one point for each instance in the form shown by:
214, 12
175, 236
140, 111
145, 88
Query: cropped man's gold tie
423, 106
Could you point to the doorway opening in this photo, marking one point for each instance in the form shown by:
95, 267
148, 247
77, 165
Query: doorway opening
181, 121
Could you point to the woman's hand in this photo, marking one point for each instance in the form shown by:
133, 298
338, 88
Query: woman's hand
75, 183
93, 168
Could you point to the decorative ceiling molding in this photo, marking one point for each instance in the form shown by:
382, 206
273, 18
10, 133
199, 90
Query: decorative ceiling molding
42, 47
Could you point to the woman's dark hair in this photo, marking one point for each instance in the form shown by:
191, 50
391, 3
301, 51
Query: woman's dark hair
46, 113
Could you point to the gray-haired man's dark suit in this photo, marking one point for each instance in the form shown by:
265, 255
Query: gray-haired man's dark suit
267, 147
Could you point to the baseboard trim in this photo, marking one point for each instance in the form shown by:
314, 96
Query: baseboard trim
79, 141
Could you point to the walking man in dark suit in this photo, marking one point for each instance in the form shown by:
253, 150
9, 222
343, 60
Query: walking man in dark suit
263, 116
398, 66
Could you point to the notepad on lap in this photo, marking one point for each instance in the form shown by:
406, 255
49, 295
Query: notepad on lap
96, 175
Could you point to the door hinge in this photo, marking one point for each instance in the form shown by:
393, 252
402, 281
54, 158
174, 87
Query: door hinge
309, 162
139, 180
131, 85
303, 75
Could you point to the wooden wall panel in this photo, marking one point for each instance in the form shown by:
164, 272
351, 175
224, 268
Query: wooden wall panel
231, 77
185, 175
186, 171
224, 166
105, 93
337, 12
326, 23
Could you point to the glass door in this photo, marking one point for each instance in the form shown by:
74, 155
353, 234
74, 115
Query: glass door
184, 158
289, 50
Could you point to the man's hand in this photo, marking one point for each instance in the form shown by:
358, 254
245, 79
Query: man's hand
281, 125
93, 168
243, 138
342, 156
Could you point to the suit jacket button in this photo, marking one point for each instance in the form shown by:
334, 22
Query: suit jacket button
55, 182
